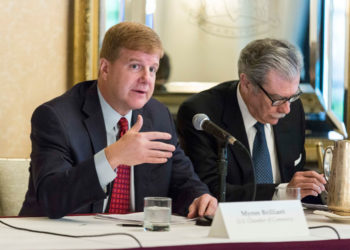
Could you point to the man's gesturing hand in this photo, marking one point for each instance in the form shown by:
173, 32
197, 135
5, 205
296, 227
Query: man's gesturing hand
136, 147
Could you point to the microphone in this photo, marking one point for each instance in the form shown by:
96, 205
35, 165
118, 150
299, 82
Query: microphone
202, 122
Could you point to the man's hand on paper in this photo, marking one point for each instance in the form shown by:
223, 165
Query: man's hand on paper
310, 183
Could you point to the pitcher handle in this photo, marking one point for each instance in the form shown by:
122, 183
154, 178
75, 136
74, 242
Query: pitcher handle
327, 162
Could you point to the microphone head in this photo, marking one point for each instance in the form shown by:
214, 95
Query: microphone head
198, 120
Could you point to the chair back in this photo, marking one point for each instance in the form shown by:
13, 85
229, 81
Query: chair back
14, 176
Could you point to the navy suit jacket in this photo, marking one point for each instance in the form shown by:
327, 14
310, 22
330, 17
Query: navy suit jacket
221, 105
66, 133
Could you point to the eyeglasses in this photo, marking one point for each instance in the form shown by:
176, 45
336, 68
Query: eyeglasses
283, 99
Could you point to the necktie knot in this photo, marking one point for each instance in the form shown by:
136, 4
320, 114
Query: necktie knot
259, 126
123, 126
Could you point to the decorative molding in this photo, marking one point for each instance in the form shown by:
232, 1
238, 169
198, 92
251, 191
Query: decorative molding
234, 19
347, 68
86, 30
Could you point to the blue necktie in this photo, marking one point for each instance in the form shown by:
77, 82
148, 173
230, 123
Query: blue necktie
261, 156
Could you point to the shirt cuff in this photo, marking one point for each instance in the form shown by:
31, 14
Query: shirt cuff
105, 173
282, 191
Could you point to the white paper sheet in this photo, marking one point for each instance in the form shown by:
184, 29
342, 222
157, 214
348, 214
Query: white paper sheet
138, 218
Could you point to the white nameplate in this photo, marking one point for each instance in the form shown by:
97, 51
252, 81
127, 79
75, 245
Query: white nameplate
259, 220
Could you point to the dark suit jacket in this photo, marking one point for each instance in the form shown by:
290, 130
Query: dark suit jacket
221, 105
66, 133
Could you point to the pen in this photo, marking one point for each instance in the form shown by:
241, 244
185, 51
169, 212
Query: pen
131, 225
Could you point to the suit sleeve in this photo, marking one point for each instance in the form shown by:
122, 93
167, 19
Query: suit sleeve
61, 185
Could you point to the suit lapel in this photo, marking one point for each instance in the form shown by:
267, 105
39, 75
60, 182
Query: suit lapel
233, 123
281, 137
94, 122
232, 116
147, 123
95, 126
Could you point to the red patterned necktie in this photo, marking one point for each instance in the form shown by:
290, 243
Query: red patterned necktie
120, 197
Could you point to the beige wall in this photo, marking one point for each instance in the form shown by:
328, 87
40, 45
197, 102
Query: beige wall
210, 34
33, 65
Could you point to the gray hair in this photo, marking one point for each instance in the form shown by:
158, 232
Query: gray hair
263, 55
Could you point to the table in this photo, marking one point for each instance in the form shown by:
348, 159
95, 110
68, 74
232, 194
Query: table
183, 236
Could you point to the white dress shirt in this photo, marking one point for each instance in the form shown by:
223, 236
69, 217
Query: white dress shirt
104, 170
249, 122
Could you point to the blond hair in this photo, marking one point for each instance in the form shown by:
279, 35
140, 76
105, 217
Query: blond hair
130, 35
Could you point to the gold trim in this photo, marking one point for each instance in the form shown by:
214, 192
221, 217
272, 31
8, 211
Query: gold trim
79, 41
347, 69
95, 40
86, 23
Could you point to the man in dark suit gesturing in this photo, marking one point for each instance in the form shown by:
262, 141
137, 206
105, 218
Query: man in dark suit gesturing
263, 112
75, 156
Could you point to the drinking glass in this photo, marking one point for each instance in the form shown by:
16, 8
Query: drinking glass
157, 213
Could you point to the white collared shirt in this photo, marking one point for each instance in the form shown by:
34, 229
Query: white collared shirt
104, 170
249, 122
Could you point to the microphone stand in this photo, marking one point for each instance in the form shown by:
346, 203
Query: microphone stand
253, 169
222, 166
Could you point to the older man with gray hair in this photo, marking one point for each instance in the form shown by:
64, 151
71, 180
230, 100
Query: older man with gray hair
263, 111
